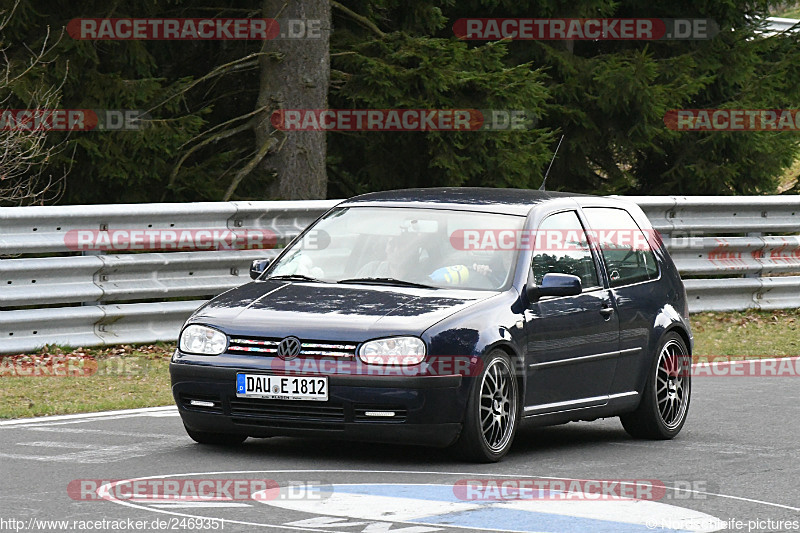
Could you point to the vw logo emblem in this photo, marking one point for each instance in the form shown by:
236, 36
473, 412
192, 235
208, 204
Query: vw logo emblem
289, 348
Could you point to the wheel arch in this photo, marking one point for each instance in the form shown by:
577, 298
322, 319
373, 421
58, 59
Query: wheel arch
680, 330
517, 363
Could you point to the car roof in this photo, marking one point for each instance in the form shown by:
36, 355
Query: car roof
491, 200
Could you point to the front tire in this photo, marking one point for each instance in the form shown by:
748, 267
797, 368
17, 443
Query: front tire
492, 413
667, 392
220, 439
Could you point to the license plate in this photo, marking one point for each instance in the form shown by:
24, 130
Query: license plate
282, 387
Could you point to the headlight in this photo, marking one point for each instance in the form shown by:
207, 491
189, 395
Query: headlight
393, 351
203, 340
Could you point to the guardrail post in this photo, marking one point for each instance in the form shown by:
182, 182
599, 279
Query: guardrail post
758, 274
93, 252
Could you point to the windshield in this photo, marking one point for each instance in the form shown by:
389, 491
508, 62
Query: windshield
400, 246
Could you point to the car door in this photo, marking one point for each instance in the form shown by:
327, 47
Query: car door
633, 273
572, 341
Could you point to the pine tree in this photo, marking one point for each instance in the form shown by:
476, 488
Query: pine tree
204, 101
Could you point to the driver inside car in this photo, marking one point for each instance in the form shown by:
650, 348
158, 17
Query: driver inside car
482, 271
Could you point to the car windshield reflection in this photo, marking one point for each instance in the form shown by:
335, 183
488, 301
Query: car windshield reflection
420, 248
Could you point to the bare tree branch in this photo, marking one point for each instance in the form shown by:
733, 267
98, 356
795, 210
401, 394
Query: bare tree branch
24, 151
248, 61
361, 20
208, 140
260, 154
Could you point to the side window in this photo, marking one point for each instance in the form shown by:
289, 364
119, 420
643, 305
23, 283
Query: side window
624, 247
561, 247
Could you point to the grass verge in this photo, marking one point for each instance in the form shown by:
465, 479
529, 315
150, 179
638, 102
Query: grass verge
751, 334
124, 377
85, 380
790, 14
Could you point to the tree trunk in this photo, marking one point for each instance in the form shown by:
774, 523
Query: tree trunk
294, 75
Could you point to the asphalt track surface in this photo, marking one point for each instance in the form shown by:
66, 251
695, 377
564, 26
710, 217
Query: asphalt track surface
738, 453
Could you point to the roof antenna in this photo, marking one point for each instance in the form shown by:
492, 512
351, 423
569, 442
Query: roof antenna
541, 188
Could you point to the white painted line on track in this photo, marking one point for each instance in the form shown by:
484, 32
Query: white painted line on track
388, 508
198, 505
428, 472
52, 444
53, 428
438, 505
333, 521
169, 410
96, 419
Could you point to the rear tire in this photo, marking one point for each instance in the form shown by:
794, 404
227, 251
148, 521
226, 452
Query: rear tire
220, 439
492, 416
667, 392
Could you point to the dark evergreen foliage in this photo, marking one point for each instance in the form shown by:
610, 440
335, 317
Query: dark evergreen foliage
608, 98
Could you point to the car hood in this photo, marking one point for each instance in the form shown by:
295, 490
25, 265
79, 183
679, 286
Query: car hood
331, 312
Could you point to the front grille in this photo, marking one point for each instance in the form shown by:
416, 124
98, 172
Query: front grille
287, 410
269, 347
203, 400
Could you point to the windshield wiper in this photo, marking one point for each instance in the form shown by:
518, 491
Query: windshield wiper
387, 281
296, 277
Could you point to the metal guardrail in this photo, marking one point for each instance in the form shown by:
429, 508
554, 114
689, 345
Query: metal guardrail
708, 256
777, 25
112, 278
723, 237
720, 215
71, 298
40, 229
144, 295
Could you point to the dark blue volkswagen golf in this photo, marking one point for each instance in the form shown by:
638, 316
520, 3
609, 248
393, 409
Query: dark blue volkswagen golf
444, 317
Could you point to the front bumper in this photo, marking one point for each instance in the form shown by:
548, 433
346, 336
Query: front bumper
429, 410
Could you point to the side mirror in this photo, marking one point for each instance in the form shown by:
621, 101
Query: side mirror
556, 285
258, 267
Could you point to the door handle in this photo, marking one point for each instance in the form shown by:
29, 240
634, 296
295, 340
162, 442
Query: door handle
607, 312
